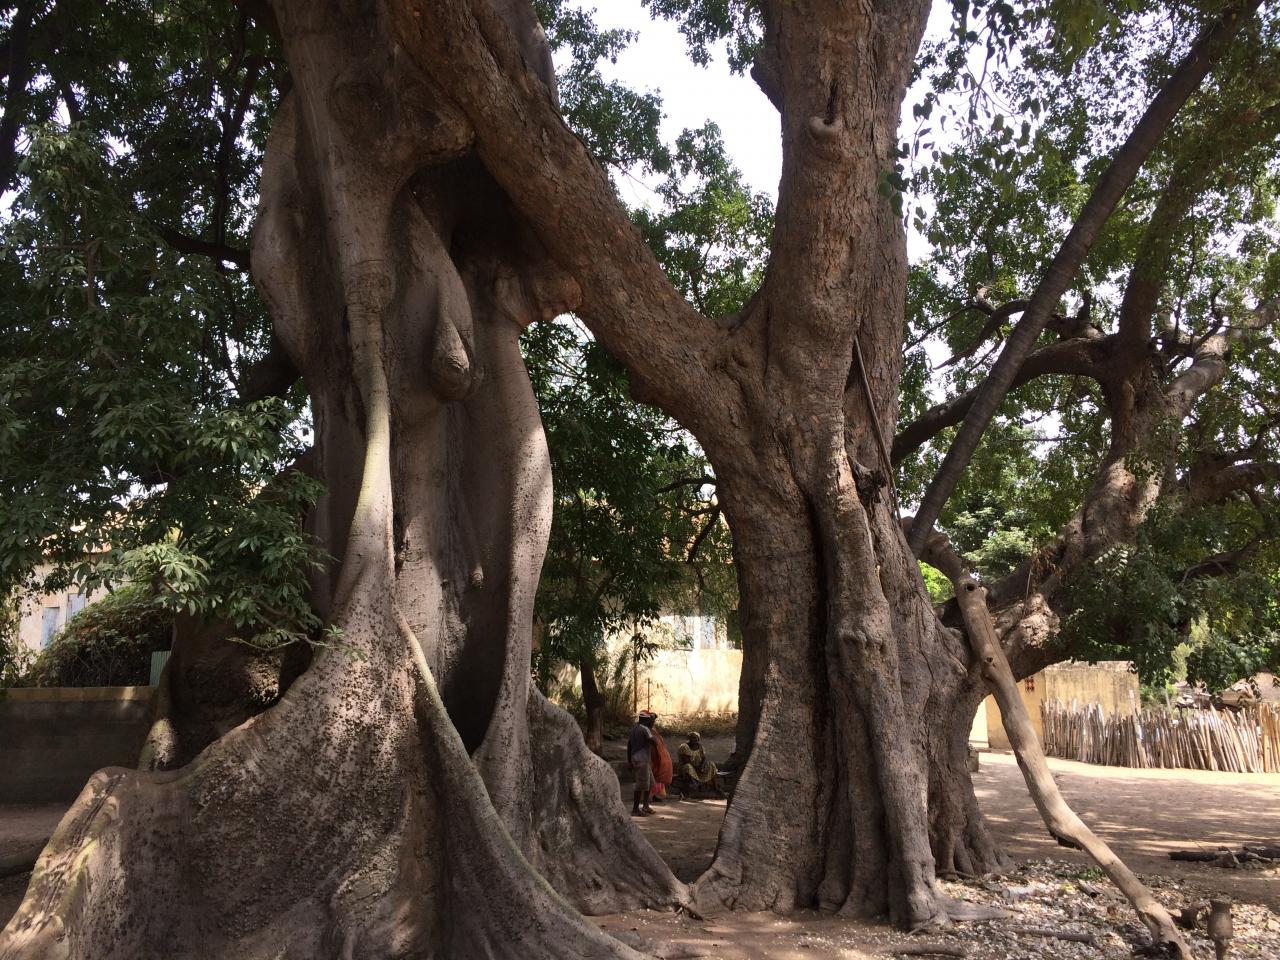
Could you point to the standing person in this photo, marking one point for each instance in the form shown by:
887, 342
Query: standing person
660, 760
639, 757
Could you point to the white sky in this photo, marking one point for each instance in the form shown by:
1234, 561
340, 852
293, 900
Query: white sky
657, 61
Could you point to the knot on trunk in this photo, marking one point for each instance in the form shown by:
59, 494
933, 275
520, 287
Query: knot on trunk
869, 483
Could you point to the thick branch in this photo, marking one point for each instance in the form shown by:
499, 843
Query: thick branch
1235, 478
271, 376
563, 193
203, 248
1081, 357
1208, 368
1062, 821
1124, 166
1221, 564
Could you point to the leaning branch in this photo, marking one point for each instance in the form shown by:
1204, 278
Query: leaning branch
1062, 821
1207, 50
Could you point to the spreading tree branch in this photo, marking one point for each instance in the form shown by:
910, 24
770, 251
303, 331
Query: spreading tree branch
1235, 478
1212, 44
204, 248
1223, 564
20, 70
1081, 357
1228, 133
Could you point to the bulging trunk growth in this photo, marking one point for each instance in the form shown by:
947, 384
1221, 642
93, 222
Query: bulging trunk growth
410, 794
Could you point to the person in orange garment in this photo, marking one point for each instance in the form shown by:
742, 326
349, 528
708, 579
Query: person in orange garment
660, 759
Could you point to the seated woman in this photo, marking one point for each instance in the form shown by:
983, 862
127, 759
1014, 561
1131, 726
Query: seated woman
696, 770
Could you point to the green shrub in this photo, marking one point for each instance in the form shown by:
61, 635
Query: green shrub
107, 644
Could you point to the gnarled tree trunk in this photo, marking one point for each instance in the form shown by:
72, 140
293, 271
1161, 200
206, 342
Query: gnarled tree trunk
409, 795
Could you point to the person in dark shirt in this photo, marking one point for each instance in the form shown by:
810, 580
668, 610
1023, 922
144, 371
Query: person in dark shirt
639, 744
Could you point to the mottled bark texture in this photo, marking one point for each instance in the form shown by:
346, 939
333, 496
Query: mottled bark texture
409, 794
850, 678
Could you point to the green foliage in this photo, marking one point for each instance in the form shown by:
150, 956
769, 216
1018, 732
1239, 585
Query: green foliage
632, 496
940, 588
128, 455
706, 23
109, 643
619, 125
711, 234
1145, 602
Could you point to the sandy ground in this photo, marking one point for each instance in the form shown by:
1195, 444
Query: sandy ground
1144, 814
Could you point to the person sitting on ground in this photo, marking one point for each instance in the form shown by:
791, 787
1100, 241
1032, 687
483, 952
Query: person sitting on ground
639, 744
695, 769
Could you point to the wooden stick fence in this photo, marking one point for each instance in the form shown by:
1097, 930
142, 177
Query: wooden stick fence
1243, 741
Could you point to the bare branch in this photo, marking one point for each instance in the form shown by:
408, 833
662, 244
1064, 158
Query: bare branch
996, 317
1120, 173
204, 248
1082, 357
712, 520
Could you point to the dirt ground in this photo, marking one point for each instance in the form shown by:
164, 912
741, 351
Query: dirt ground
1143, 813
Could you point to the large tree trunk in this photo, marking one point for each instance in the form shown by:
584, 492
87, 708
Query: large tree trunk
409, 795
853, 675
814, 820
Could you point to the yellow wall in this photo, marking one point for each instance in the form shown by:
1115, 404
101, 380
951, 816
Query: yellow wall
1110, 683
682, 682
31, 626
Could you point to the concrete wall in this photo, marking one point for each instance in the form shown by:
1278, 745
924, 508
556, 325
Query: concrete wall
53, 739
1109, 683
683, 682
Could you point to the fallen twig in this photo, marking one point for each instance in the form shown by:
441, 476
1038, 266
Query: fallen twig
1053, 934
927, 950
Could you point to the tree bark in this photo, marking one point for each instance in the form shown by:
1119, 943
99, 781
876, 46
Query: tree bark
409, 795
845, 659
594, 703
